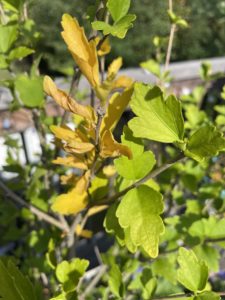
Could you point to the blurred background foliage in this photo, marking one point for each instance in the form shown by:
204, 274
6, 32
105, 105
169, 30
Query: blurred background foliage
204, 38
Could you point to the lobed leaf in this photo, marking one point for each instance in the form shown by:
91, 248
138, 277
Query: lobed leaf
139, 212
206, 142
193, 272
157, 119
118, 8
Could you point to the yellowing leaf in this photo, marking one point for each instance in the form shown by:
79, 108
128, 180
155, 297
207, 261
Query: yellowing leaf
66, 102
105, 47
83, 52
63, 133
83, 232
116, 107
122, 82
77, 147
71, 161
75, 200
105, 88
94, 210
110, 148
68, 179
114, 68
70, 203
109, 170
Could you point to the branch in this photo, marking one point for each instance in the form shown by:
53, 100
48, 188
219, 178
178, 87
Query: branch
183, 296
94, 282
40, 214
171, 37
150, 175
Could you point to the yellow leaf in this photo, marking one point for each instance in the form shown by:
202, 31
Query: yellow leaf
110, 148
83, 52
66, 102
109, 171
70, 203
116, 107
67, 134
68, 179
114, 68
83, 182
71, 161
75, 200
83, 232
105, 47
63, 133
78, 148
122, 82
94, 210
103, 90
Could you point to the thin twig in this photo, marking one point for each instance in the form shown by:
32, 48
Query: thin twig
136, 184
171, 38
173, 296
170, 45
40, 214
183, 296
93, 283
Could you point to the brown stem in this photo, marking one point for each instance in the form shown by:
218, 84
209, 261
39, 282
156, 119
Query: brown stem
40, 214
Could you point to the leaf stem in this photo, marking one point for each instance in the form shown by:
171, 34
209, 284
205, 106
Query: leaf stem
136, 184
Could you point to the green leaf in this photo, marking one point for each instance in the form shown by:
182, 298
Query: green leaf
174, 19
157, 119
116, 282
13, 284
145, 282
210, 255
194, 116
152, 66
220, 109
15, 3
118, 29
112, 225
220, 120
193, 272
206, 142
134, 144
164, 266
69, 273
139, 211
3, 62
208, 228
149, 283
30, 90
51, 254
118, 8
206, 70
66, 296
207, 296
137, 167
8, 35
20, 52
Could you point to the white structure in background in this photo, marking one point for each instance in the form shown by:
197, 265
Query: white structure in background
181, 72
